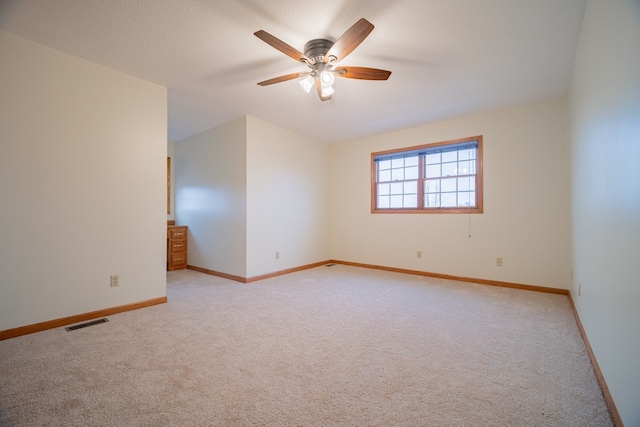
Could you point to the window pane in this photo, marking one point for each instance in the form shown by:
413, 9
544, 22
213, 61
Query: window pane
384, 176
449, 156
467, 183
411, 173
464, 199
396, 188
397, 163
464, 168
396, 202
397, 174
384, 164
464, 154
449, 169
432, 186
432, 200
433, 171
411, 187
411, 201
464, 184
383, 189
448, 185
411, 161
383, 202
448, 200
432, 159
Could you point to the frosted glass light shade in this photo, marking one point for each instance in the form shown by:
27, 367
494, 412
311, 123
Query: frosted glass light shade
327, 91
327, 79
307, 83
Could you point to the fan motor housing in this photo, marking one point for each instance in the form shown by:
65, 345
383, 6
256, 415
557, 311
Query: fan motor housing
317, 48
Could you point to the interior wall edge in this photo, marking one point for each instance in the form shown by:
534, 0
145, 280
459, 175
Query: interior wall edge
617, 420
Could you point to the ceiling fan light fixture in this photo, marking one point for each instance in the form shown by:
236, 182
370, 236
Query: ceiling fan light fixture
307, 83
327, 91
327, 78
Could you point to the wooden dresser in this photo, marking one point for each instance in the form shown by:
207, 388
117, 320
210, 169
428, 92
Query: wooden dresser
176, 247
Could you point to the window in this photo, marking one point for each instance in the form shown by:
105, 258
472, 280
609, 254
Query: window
445, 177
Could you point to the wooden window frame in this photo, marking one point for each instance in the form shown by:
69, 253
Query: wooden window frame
478, 209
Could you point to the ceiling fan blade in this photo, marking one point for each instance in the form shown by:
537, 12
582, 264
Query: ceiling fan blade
319, 88
282, 79
282, 46
362, 73
349, 41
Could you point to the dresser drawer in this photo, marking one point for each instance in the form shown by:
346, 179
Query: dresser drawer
178, 259
177, 245
178, 233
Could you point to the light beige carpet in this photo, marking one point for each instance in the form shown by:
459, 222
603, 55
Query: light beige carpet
331, 346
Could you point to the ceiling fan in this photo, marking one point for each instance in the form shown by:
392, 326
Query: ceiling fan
320, 55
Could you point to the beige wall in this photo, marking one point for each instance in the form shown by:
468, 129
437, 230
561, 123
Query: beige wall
249, 189
82, 175
211, 193
526, 201
287, 199
605, 154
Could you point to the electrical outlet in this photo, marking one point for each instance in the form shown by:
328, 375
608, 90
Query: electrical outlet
277, 255
419, 254
115, 280
498, 262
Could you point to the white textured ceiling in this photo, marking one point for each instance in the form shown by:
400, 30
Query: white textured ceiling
448, 58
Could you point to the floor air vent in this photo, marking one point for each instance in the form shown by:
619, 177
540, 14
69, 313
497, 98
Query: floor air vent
84, 325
